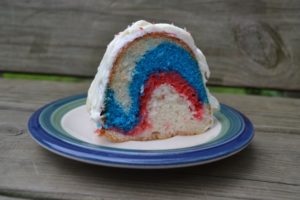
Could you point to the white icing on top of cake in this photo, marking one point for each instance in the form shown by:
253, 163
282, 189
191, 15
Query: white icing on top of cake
95, 99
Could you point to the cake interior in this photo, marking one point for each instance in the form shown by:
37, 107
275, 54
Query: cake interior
155, 91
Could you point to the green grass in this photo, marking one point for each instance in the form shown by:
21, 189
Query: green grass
215, 89
264, 92
41, 77
230, 90
246, 91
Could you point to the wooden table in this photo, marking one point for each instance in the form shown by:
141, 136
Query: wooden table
252, 44
267, 169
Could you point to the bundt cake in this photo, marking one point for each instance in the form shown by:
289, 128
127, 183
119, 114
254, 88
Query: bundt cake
151, 84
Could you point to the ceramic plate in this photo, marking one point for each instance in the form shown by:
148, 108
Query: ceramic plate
64, 128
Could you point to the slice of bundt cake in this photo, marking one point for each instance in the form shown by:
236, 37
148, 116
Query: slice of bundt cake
151, 85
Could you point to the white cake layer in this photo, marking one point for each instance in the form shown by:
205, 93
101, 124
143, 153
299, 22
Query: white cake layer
169, 114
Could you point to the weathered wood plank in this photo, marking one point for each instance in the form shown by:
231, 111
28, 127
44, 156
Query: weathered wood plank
12, 198
247, 43
267, 169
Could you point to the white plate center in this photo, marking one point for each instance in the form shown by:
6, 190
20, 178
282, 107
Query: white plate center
78, 124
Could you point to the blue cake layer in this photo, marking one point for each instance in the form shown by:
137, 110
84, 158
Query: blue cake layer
165, 57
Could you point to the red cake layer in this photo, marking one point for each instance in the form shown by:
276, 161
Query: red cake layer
181, 86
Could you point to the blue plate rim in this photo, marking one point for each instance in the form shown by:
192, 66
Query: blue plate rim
143, 160
65, 101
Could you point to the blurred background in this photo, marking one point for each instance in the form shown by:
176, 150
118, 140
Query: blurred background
252, 47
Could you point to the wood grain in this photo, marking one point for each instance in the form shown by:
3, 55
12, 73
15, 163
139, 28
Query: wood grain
267, 169
11, 198
247, 43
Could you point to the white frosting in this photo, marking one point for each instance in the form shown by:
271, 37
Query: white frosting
95, 99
